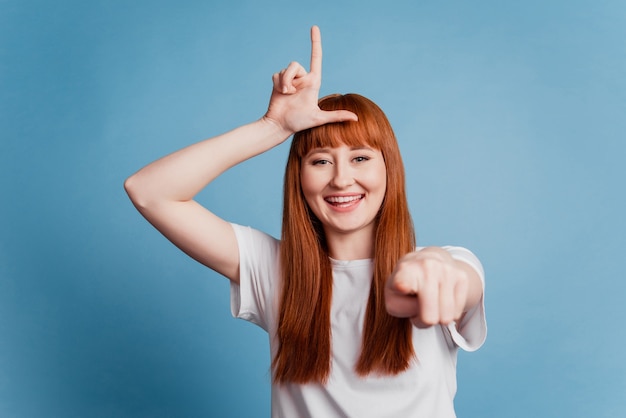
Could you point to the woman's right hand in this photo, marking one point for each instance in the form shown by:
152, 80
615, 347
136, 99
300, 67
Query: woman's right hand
164, 190
294, 101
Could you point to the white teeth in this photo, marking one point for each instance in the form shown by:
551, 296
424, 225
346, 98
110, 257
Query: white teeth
343, 199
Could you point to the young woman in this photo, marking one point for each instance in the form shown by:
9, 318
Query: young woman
361, 322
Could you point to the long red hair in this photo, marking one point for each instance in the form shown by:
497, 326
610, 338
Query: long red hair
304, 331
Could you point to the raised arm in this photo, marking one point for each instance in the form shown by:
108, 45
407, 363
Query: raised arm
164, 190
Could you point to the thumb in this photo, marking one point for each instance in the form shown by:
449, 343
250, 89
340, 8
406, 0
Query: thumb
330, 116
404, 284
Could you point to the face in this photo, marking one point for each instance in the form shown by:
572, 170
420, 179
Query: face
345, 187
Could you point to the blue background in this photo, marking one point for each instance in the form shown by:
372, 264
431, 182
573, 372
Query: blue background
511, 119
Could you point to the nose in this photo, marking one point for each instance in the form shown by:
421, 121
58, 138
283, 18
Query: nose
342, 176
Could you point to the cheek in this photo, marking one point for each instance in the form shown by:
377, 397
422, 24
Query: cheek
311, 190
309, 184
378, 179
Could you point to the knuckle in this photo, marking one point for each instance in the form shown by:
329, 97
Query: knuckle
447, 317
429, 319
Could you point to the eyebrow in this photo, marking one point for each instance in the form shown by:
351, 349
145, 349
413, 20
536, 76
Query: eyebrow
359, 148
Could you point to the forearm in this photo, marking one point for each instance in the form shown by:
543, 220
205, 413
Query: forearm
184, 173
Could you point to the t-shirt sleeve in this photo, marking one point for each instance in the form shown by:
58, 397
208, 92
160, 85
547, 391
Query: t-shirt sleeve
252, 298
471, 332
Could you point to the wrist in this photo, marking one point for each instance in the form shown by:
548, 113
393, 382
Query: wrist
275, 125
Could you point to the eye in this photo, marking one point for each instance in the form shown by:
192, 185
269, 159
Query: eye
321, 162
361, 158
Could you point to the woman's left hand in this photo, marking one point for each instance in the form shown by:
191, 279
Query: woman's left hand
428, 286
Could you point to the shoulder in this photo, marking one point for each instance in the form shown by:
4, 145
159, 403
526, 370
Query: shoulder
248, 233
255, 243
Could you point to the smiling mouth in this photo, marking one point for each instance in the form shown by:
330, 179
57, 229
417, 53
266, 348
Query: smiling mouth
344, 201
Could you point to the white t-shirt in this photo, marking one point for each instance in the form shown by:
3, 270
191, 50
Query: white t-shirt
426, 389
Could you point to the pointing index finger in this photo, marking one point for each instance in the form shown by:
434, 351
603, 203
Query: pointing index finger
316, 50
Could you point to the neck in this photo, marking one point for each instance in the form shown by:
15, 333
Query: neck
353, 246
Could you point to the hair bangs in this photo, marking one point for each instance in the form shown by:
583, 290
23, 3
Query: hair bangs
372, 129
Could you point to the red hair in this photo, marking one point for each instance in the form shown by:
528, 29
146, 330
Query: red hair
304, 331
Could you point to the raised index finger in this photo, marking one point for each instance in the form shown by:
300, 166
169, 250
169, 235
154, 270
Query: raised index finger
316, 50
